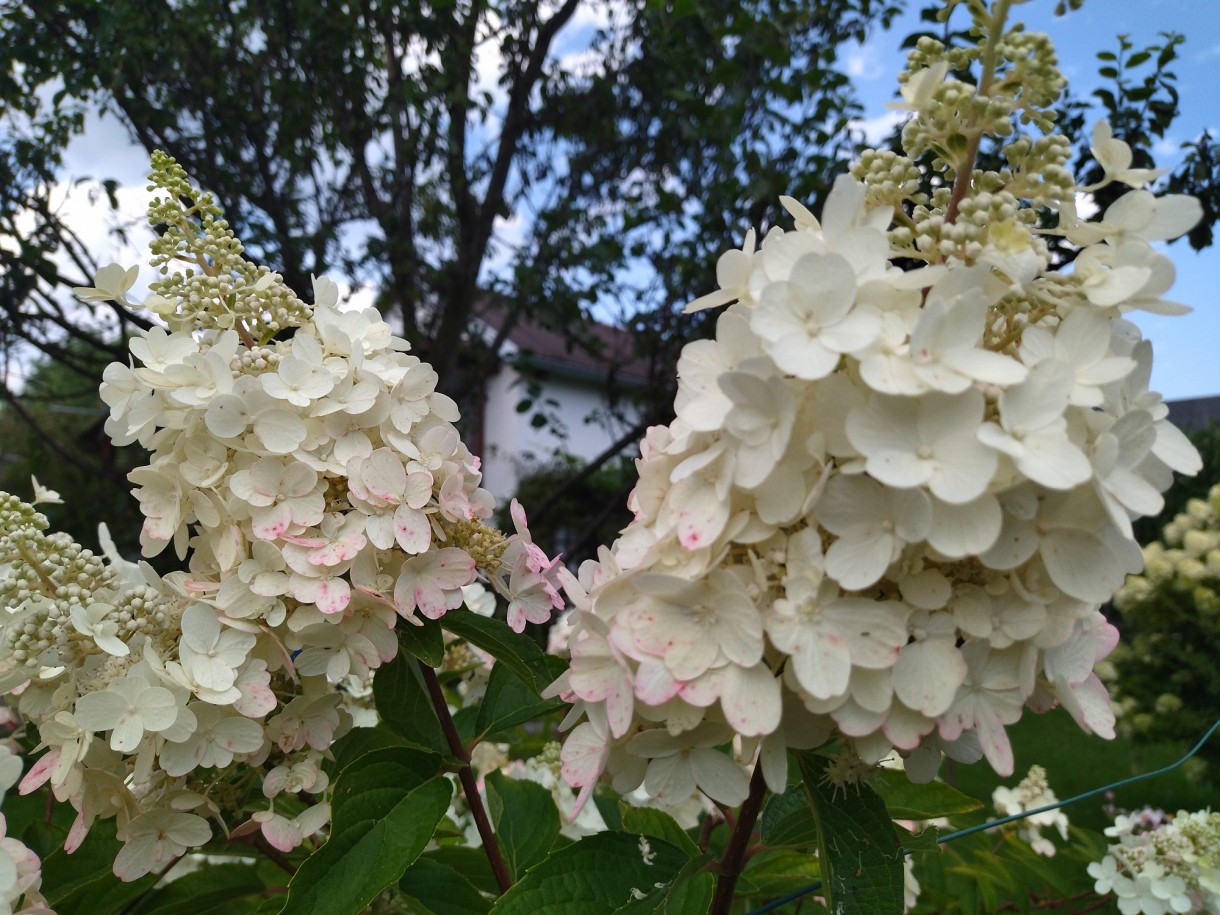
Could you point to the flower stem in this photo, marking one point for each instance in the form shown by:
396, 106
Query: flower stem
466, 776
965, 168
734, 858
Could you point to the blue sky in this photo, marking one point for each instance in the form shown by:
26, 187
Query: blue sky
1187, 361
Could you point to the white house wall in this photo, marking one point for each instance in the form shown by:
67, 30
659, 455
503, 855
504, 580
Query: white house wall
513, 447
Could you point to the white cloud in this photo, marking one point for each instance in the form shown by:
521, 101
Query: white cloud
876, 129
862, 63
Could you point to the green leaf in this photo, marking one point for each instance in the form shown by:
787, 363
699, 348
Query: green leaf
519, 652
442, 889
221, 888
358, 741
689, 893
404, 705
924, 840
787, 820
524, 819
470, 863
777, 872
425, 641
510, 701
594, 876
860, 859
385, 809
649, 821
909, 801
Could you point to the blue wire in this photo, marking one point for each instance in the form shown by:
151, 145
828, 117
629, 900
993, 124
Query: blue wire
1000, 821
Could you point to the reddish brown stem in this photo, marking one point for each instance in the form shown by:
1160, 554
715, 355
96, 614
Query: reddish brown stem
734, 858
466, 776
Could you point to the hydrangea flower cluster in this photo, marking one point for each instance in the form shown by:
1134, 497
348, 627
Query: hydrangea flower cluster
304, 460
901, 477
1031, 793
1167, 866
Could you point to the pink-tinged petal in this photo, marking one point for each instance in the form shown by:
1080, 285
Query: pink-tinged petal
384, 476
451, 568
994, 741
412, 530
654, 684
76, 835
39, 772
1089, 703
701, 518
271, 523
333, 595
583, 760
751, 699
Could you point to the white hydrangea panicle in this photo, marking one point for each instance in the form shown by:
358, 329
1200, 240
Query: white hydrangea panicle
1032, 793
316, 487
1162, 864
892, 502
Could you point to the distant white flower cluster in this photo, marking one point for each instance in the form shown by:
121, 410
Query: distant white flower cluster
323, 495
893, 500
1162, 865
1032, 793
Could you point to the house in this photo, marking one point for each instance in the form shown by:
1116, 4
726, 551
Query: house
553, 394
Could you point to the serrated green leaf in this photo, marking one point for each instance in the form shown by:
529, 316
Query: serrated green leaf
787, 820
404, 705
519, 652
221, 888
908, 801
596, 876
689, 893
510, 701
442, 889
425, 641
385, 809
524, 819
861, 862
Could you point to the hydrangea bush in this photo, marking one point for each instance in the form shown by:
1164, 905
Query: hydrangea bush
1165, 675
898, 488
